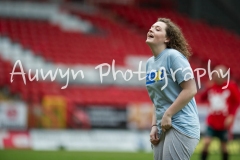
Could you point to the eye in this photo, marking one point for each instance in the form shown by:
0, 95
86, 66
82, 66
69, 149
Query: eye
158, 29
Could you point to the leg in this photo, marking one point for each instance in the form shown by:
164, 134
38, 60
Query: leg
224, 151
206, 144
223, 136
178, 146
158, 149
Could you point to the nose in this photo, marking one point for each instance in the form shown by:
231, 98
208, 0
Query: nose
150, 30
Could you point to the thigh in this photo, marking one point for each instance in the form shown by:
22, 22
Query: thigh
158, 149
178, 146
209, 132
222, 135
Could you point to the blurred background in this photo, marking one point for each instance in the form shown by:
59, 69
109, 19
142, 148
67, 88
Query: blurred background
64, 107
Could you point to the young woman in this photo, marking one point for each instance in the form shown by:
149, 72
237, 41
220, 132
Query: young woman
171, 86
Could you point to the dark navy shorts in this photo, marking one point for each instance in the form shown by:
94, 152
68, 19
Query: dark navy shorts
221, 134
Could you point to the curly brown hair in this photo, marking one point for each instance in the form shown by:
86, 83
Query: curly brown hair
176, 38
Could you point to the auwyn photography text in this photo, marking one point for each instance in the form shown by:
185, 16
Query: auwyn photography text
200, 72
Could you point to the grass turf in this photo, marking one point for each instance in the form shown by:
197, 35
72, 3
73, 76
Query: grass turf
74, 155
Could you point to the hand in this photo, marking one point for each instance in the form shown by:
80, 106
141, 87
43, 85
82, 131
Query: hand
154, 139
228, 121
166, 122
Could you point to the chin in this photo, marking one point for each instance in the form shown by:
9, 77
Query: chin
148, 41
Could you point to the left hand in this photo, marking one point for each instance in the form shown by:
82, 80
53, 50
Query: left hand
166, 122
228, 121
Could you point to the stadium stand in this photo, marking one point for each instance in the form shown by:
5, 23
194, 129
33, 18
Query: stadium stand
108, 39
207, 42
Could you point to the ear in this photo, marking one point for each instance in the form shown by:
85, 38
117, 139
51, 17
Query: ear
167, 40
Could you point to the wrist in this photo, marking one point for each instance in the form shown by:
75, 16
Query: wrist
154, 125
168, 113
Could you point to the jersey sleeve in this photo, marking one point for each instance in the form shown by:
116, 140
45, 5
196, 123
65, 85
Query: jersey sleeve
204, 94
234, 100
181, 69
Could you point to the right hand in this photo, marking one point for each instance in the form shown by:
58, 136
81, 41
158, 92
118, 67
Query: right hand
154, 139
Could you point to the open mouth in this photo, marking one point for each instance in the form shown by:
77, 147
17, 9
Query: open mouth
150, 36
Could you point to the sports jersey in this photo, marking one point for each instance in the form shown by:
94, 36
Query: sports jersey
164, 75
222, 102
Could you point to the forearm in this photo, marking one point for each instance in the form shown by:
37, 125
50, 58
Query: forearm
154, 139
182, 100
154, 121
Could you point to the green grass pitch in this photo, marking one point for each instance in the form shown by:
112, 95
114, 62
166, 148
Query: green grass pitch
233, 147
74, 155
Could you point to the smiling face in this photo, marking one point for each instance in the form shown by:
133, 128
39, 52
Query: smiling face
157, 34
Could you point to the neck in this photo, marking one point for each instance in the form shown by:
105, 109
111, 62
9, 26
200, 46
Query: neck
156, 50
220, 82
